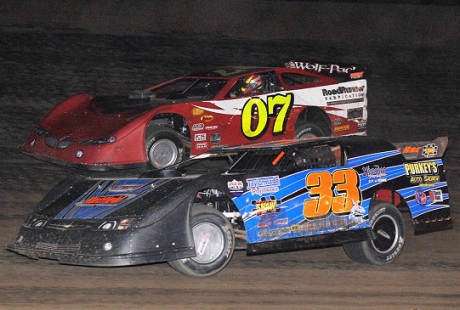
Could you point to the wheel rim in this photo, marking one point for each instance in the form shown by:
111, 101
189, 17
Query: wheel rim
387, 232
163, 153
209, 242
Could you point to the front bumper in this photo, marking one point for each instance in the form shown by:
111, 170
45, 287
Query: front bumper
102, 157
88, 167
87, 247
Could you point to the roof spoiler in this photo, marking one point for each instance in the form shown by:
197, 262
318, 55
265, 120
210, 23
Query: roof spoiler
423, 149
341, 71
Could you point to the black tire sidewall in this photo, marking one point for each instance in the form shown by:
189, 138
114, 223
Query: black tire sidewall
309, 128
379, 212
191, 267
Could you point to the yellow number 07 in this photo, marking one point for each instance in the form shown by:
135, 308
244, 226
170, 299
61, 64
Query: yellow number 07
279, 105
336, 192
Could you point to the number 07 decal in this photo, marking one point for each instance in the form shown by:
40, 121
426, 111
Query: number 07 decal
337, 192
256, 112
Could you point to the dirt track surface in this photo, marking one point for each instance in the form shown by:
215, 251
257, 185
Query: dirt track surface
413, 95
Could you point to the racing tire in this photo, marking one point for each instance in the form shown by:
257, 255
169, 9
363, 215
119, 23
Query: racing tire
308, 130
214, 244
164, 147
388, 239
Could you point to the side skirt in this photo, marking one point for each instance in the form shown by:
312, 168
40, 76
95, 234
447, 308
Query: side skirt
309, 242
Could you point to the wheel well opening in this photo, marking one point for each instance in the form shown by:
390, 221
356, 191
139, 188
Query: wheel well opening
395, 199
171, 120
316, 116
215, 198
218, 200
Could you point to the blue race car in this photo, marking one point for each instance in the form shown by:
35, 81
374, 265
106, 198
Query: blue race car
265, 198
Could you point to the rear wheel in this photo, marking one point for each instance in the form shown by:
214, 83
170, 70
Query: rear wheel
308, 130
214, 244
164, 147
388, 232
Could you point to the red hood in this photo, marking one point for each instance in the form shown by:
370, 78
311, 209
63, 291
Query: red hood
91, 118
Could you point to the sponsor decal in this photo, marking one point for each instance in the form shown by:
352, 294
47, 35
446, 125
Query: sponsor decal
341, 128
212, 127
362, 125
263, 184
321, 225
431, 179
376, 174
337, 121
423, 198
410, 149
342, 94
264, 224
422, 172
436, 195
355, 113
197, 127
206, 118
343, 90
215, 138
281, 222
201, 145
356, 75
105, 200
269, 233
235, 185
197, 111
264, 205
312, 66
420, 168
199, 137
420, 197
429, 150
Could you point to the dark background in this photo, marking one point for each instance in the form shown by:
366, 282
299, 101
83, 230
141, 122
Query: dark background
50, 50
409, 22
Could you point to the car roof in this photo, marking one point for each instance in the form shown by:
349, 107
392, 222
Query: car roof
228, 71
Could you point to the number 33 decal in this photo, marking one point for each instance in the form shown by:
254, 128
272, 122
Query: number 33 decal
337, 192
256, 112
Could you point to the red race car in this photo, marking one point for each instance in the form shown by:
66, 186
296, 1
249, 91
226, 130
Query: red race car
189, 115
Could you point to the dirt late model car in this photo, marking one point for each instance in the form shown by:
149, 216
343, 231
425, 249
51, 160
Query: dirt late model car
284, 196
189, 115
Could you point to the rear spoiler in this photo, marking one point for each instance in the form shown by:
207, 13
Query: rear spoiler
423, 149
339, 71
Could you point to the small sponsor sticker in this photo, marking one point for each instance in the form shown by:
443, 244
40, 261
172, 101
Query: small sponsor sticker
206, 118
197, 127
430, 150
199, 137
197, 111
235, 185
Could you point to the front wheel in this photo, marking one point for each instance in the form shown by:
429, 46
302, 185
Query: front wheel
388, 232
164, 148
214, 244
